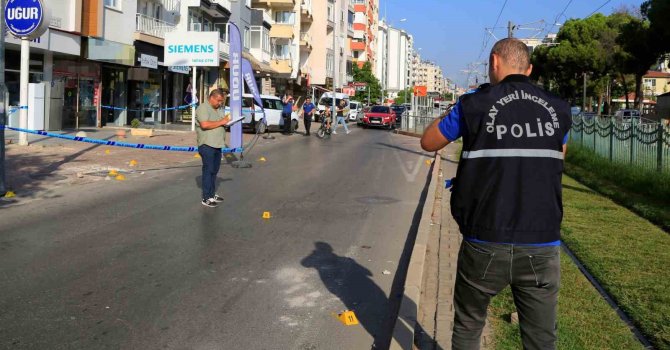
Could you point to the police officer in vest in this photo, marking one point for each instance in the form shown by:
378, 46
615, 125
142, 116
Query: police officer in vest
506, 197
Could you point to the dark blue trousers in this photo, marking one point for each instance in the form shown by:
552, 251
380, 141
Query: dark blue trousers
211, 163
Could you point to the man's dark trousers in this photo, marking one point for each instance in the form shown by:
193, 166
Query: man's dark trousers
211, 162
308, 123
484, 269
287, 123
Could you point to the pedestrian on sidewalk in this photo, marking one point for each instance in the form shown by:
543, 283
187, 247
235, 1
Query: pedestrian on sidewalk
506, 197
308, 112
340, 117
210, 120
289, 107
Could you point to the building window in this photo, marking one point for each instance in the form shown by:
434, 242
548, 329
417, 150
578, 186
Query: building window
285, 17
282, 51
247, 37
357, 54
116, 4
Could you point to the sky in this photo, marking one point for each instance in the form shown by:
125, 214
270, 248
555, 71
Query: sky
451, 33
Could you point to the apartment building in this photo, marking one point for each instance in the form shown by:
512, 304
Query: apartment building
394, 59
430, 75
365, 29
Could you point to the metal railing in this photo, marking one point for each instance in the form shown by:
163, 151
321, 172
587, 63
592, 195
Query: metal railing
152, 26
634, 142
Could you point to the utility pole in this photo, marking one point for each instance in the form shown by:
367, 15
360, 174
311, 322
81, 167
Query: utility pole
3, 102
584, 94
510, 29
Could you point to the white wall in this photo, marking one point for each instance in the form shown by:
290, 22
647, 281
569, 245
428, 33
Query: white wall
66, 15
119, 24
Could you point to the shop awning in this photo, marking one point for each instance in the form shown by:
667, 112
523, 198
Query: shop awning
255, 64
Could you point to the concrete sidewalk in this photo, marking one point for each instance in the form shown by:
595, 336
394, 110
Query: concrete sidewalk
429, 313
33, 171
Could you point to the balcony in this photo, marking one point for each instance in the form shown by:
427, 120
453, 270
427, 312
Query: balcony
306, 11
151, 30
273, 3
283, 63
305, 40
281, 30
171, 5
358, 46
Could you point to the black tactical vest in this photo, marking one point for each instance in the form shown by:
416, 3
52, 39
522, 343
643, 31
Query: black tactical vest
508, 185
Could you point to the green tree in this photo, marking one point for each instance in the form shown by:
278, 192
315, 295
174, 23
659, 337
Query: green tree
404, 96
640, 52
365, 75
658, 12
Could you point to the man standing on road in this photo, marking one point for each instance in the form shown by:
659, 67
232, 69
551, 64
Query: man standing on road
286, 114
340, 117
507, 197
308, 112
211, 140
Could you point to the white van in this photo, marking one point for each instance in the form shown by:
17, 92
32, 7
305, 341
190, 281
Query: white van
326, 101
273, 109
355, 110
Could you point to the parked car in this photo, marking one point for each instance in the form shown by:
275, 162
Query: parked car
574, 110
326, 101
273, 109
355, 110
380, 116
400, 111
628, 115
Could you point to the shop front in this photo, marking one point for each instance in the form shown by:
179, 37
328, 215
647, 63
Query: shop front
115, 60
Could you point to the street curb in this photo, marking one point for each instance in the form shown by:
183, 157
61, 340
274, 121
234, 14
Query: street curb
407, 133
403, 331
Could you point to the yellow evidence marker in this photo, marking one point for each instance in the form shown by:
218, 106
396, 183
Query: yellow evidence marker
120, 177
133, 162
113, 172
262, 159
348, 318
10, 194
266, 215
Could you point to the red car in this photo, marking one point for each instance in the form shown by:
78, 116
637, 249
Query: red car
380, 116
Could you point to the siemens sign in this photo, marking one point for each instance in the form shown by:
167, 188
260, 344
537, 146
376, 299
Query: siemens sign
26, 18
192, 49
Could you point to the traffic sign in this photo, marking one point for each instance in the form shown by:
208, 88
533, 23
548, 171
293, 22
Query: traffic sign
420, 91
27, 19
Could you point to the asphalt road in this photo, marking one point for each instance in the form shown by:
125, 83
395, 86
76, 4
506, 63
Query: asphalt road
141, 264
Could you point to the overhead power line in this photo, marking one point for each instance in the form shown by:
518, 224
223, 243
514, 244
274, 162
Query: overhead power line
598, 9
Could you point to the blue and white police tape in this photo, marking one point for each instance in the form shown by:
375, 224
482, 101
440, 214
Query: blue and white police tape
14, 110
149, 109
227, 109
116, 143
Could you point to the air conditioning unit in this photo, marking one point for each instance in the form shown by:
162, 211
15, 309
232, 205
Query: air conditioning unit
196, 27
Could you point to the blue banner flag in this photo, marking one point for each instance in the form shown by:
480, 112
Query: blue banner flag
235, 84
248, 73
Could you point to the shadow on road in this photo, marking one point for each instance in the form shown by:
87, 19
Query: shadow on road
425, 154
352, 283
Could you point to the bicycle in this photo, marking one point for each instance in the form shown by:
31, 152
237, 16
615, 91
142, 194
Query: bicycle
324, 129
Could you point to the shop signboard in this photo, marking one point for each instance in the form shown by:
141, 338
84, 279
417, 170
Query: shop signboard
148, 61
199, 49
27, 19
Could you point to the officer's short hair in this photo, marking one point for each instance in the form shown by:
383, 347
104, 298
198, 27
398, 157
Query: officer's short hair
513, 52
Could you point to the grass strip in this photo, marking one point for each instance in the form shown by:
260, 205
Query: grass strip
585, 320
645, 192
627, 254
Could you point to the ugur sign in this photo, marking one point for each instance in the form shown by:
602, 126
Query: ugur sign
27, 18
